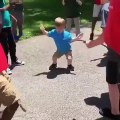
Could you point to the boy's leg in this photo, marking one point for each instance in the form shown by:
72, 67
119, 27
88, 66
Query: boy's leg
77, 25
69, 58
68, 24
54, 58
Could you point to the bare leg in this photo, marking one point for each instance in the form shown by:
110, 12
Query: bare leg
69, 58
77, 25
114, 98
54, 58
68, 24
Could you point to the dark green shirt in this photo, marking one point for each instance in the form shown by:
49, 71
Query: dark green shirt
72, 9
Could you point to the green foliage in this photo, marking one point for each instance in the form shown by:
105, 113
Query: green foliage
45, 11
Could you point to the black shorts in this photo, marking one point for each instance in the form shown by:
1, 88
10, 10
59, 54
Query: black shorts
113, 67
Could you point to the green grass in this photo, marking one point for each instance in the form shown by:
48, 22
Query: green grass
45, 11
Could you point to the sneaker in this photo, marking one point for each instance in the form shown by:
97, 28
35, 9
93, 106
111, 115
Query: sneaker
91, 36
106, 112
9, 72
18, 63
70, 67
53, 66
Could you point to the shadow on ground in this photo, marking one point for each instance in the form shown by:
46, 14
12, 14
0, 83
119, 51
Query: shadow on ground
103, 61
101, 102
103, 119
54, 73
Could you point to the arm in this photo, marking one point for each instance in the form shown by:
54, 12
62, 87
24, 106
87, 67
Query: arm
98, 41
13, 18
63, 2
4, 8
79, 2
42, 28
78, 38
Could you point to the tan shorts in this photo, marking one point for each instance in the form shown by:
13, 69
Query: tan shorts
96, 10
58, 55
7, 92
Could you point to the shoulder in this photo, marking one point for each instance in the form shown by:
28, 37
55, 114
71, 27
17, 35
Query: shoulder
66, 33
53, 31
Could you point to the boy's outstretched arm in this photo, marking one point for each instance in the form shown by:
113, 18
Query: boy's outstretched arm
78, 38
98, 41
42, 28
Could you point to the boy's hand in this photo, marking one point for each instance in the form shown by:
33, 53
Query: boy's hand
42, 28
78, 38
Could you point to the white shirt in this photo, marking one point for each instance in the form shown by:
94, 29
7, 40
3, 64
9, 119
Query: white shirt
106, 7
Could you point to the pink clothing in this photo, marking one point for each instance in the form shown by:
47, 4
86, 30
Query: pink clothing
3, 60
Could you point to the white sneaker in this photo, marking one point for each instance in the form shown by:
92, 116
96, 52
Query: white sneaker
9, 72
18, 63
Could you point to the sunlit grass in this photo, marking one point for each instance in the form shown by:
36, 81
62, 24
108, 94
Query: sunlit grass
45, 11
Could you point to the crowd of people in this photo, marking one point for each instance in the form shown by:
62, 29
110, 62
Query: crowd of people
109, 13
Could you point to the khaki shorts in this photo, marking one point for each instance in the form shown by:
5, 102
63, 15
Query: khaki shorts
96, 10
58, 55
7, 92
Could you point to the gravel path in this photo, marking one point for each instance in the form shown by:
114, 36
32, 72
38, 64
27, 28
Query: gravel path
60, 95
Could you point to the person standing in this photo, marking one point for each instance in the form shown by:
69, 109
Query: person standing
8, 95
72, 10
96, 12
7, 38
17, 11
111, 37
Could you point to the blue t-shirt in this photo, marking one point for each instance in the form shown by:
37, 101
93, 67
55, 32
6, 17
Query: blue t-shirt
62, 40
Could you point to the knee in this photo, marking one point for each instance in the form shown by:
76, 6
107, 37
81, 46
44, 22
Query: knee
69, 57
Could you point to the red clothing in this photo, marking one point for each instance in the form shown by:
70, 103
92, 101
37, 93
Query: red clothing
3, 60
98, 2
112, 30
